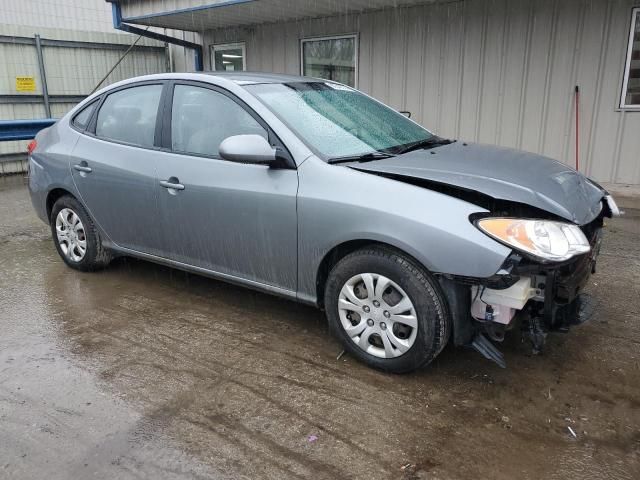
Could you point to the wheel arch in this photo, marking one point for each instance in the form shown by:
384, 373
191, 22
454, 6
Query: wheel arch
53, 196
456, 295
337, 253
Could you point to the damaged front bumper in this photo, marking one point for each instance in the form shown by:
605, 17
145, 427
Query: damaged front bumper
541, 297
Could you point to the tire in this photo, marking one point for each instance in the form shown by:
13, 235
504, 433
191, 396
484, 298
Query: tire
414, 336
85, 233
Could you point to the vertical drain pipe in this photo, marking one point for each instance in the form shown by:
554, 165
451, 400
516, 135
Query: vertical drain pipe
43, 77
577, 100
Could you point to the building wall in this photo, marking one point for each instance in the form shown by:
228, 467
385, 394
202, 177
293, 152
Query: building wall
492, 71
91, 15
69, 70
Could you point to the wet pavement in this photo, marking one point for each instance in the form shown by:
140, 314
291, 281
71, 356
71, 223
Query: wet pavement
140, 371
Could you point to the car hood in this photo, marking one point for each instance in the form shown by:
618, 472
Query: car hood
502, 174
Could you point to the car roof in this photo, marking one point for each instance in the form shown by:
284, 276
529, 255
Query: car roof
247, 78
240, 79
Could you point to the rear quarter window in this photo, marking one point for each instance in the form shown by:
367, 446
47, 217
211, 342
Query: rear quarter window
82, 118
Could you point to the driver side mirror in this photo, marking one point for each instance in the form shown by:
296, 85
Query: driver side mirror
247, 149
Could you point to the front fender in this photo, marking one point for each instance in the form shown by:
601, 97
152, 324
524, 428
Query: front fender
338, 204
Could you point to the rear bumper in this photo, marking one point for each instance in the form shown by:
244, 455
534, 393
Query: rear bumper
38, 189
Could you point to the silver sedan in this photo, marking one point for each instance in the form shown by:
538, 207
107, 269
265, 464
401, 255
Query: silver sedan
311, 190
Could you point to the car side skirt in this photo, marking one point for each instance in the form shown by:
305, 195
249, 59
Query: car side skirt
225, 277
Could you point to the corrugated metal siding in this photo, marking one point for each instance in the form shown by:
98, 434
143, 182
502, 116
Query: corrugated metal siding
89, 66
70, 71
17, 60
91, 15
493, 71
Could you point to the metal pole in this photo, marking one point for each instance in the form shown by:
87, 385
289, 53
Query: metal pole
43, 77
116, 64
577, 128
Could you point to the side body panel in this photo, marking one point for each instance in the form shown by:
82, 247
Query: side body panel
49, 165
120, 191
233, 218
337, 204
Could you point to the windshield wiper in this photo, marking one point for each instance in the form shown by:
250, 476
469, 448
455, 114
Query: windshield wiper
431, 142
367, 157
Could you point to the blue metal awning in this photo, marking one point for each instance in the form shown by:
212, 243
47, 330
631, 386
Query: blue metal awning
121, 23
201, 15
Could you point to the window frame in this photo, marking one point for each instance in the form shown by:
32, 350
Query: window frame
635, 17
166, 144
91, 128
354, 36
228, 46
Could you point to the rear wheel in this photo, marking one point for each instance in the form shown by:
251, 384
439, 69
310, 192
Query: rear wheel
75, 236
388, 311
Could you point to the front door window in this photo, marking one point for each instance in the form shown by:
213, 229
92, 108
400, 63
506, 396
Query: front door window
202, 119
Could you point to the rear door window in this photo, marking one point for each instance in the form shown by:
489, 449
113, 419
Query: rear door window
129, 115
202, 119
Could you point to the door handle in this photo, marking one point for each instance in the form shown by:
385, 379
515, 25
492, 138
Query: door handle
172, 185
83, 168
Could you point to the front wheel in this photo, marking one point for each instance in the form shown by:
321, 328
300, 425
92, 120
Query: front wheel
387, 310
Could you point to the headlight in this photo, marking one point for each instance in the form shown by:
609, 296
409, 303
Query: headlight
544, 239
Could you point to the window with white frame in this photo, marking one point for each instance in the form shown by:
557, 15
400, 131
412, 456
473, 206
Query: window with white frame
331, 58
631, 85
229, 57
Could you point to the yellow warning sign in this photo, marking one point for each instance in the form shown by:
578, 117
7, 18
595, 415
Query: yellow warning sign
25, 84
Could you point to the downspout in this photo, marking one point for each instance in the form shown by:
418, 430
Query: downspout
119, 25
577, 98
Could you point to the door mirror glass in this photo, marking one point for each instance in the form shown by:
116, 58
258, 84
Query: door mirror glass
247, 149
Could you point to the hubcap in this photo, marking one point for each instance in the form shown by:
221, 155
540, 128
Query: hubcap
71, 235
377, 315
